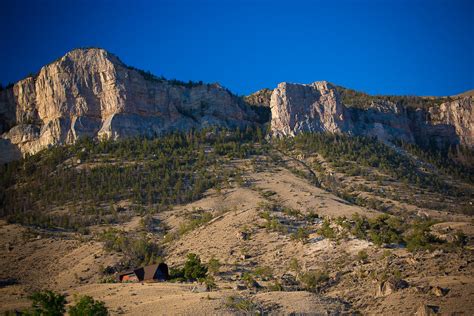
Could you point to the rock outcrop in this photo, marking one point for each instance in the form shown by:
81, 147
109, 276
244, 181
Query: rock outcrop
390, 286
307, 108
260, 98
90, 92
317, 107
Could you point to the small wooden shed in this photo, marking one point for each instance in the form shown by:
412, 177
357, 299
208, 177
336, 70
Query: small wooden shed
154, 272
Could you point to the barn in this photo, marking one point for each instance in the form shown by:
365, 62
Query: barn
154, 272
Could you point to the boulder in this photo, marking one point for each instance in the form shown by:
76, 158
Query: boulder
289, 282
390, 286
427, 310
240, 287
439, 291
200, 288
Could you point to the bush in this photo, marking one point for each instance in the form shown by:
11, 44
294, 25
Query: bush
362, 256
385, 230
460, 239
196, 221
421, 238
210, 283
213, 265
192, 270
176, 275
48, 303
138, 250
326, 230
263, 273
243, 305
294, 266
275, 287
301, 234
311, 280
87, 306
248, 279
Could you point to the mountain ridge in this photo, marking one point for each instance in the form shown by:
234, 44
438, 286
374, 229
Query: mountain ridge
320, 107
90, 92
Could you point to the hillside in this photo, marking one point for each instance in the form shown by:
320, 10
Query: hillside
316, 223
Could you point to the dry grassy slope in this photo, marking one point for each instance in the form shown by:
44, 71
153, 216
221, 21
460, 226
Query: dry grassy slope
398, 197
52, 262
179, 299
33, 260
220, 238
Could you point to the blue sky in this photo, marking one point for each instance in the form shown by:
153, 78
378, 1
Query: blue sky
381, 47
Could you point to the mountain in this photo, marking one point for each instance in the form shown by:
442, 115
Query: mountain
90, 92
309, 221
321, 106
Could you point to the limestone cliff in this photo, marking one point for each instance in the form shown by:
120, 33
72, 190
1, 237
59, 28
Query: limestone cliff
260, 98
318, 107
90, 92
307, 108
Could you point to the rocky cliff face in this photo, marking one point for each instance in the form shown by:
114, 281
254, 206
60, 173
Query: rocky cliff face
260, 98
307, 108
317, 107
90, 92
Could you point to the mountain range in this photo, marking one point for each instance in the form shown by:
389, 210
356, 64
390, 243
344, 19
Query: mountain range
91, 93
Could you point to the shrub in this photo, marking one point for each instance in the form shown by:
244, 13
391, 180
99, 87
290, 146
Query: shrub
360, 226
244, 305
385, 229
87, 306
326, 230
248, 279
311, 280
198, 220
213, 266
460, 239
210, 283
138, 250
421, 238
291, 212
275, 286
176, 274
263, 272
301, 234
362, 256
312, 216
294, 266
193, 269
48, 303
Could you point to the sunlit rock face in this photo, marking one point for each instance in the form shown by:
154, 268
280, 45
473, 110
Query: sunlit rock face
307, 108
90, 92
317, 107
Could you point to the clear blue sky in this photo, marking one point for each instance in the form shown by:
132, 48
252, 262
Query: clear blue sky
381, 47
